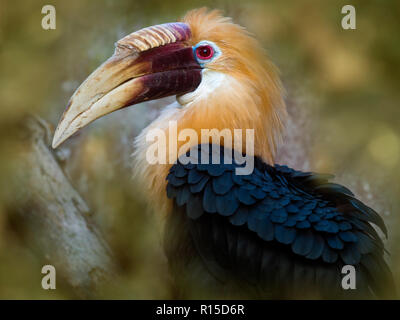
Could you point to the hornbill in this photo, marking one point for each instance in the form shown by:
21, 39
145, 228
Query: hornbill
272, 232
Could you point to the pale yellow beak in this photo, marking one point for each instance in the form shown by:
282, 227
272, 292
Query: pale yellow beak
148, 64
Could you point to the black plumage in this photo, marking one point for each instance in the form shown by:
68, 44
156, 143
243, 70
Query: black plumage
273, 233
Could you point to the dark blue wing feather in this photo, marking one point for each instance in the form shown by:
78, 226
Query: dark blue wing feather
297, 215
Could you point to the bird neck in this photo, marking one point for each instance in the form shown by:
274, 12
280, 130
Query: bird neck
221, 114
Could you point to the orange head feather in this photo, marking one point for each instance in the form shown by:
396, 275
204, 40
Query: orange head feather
255, 99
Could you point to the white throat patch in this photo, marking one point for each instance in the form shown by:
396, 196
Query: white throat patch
209, 82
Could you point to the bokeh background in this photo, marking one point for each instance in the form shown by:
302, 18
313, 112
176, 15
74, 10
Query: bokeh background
343, 93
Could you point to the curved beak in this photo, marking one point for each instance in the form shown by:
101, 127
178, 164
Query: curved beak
149, 64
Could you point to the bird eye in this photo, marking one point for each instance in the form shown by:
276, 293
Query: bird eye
204, 52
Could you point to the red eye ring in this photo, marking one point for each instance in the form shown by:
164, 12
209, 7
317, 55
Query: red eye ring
204, 52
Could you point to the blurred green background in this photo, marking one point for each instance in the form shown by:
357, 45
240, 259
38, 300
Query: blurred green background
343, 92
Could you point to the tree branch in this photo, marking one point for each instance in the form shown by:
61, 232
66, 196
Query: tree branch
56, 220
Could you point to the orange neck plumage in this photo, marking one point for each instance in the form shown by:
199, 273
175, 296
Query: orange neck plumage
240, 91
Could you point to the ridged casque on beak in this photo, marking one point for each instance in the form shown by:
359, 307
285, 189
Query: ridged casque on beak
151, 63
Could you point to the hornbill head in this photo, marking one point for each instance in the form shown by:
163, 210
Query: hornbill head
213, 66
